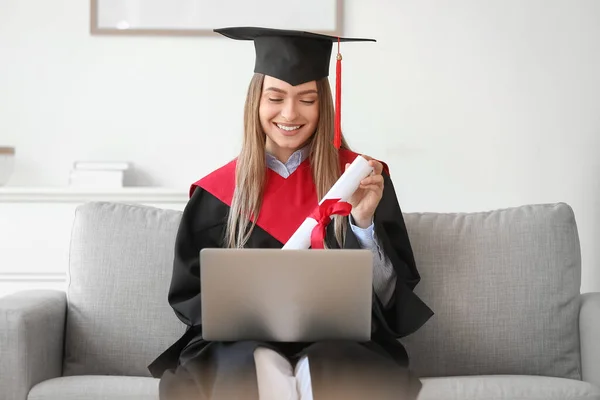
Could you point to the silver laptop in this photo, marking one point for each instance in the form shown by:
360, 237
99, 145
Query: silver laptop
286, 295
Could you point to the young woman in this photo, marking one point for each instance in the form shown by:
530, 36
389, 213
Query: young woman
292, 154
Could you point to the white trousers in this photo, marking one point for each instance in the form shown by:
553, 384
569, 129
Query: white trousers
277, 380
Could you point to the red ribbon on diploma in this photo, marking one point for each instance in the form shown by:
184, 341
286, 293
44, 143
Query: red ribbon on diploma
322, 214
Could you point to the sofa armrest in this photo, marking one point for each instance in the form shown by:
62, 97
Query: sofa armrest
31, 340
589, 327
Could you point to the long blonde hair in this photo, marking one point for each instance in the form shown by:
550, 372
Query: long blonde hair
251, 165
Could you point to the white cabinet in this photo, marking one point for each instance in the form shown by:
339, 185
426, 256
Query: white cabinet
35, 229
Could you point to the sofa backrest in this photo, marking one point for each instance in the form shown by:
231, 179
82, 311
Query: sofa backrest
118, 317
504, 286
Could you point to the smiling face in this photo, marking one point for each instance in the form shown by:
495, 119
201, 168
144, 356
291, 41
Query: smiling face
288, 115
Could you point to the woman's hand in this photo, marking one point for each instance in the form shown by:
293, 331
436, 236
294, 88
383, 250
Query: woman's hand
366, 198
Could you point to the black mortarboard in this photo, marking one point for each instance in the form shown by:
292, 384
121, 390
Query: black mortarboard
295, 57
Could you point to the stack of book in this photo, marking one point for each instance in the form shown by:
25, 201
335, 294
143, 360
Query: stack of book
101, 175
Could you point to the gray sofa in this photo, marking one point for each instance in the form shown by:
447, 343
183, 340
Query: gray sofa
510, 322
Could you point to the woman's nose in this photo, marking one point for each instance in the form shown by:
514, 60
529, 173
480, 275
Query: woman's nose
289, 111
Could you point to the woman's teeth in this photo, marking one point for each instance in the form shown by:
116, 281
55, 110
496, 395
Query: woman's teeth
288, 128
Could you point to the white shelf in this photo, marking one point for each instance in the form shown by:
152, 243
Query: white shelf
78, 195
23, 277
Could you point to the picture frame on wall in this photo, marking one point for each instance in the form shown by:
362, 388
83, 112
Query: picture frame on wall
200, 17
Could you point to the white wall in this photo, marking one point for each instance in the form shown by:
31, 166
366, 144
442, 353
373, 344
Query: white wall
475, 105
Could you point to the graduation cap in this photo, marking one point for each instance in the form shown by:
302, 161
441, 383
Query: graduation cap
295, 57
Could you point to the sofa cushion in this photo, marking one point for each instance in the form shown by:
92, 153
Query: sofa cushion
121, 261
455, 388
96, 388
504, 286
507, 388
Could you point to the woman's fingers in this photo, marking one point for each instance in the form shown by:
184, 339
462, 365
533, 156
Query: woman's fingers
378, 190
376, 180
377, 167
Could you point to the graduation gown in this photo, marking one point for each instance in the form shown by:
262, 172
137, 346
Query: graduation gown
207, 369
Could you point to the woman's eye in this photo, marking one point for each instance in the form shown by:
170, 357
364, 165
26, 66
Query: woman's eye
275, 100
308, 101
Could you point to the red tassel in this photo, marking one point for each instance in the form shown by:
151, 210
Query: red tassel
337, 139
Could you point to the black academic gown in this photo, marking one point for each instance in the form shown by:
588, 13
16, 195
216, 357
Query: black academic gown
216, 370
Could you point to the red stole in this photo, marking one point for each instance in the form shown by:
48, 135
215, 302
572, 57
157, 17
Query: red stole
287, 202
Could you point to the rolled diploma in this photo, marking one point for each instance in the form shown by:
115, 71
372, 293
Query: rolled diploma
342, 189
